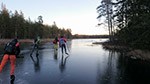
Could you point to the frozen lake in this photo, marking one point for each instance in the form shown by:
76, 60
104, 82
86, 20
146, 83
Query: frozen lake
86, 63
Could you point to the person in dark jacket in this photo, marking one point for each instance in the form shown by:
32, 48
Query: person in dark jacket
35, 45
55, 42
11, 50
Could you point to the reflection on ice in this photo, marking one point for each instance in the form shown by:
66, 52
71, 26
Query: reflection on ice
62, 64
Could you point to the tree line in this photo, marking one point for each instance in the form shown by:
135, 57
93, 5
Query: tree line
128, 21
14, 25
89, 36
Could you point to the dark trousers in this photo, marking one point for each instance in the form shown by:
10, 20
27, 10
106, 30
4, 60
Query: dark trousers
63, 46
35, 45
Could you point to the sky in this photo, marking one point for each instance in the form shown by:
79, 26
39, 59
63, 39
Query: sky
77, 15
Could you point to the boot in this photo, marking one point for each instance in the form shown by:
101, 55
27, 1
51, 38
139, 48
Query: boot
37, 54
66, 53
12, 77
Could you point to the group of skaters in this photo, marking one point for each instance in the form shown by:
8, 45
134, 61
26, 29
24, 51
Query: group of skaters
62, 44
12, 51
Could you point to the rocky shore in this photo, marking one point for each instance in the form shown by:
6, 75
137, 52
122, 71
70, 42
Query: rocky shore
130, 52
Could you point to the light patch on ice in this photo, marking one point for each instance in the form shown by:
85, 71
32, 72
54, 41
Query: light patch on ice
21, 81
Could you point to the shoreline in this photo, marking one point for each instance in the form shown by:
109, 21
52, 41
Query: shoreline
24, 41
137, 54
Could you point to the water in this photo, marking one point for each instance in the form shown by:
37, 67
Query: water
87, 63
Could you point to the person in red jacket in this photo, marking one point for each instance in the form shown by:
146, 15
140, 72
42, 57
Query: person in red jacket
62, 44
11, 50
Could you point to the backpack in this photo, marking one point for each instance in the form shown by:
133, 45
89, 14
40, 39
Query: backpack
54, 42
10, 47
62, 41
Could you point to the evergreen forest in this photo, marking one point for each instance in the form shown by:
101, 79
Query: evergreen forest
14, 25
128, 21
